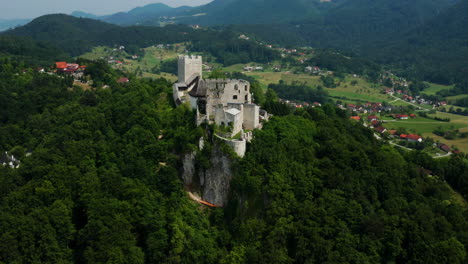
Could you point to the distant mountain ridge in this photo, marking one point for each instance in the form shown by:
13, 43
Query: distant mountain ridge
10, 23
148, 15
79, 35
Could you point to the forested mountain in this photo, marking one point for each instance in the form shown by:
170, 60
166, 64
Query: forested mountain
76, 36
98, 183
439, 47
147, 15
419, 39
223, 12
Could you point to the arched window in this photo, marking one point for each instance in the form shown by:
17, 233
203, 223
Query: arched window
246, 88
234, 97
246, 97
236, 87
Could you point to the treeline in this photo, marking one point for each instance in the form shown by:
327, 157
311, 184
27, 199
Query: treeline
334, 61
300, 91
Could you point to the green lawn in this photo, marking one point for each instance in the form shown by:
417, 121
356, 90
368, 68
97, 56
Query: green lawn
421, 127
457, 97
434, 88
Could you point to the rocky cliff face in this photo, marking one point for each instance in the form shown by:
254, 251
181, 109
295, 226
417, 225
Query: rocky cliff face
214, 181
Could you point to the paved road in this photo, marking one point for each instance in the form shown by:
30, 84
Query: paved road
395, 144
415, 105
442, 156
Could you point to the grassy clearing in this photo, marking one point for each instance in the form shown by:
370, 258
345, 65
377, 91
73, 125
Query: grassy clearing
98, 53
453, 118
456, 97
434, 88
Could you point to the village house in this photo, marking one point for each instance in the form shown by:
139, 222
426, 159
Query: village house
414, 138
380, 129
122, 80
444, 147
402, 117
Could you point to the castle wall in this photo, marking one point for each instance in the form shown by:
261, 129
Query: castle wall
224, 91
188, 67
238, 145
251, 116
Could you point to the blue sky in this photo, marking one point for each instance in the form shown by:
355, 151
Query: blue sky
10, 9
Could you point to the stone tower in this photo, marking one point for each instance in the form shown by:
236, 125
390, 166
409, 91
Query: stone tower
189, 68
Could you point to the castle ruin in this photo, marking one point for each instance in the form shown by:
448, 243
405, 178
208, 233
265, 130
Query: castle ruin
224, 102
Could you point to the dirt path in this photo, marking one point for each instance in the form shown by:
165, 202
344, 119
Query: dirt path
199, 200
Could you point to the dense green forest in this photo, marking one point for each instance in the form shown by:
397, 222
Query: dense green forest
299, 91
30, 51
98, 183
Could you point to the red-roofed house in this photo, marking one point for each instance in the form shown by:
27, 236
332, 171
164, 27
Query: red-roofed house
61, 65
403, 136
380, 129
68, 67
375, 122
392, 132
414, 138
412, 115
444, 148
372, 118
357, 118
123, 80
401, 117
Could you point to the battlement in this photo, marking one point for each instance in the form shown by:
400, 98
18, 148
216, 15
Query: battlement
190, 57
189, 66
226, 81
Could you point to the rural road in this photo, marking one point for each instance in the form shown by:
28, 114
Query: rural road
415, 105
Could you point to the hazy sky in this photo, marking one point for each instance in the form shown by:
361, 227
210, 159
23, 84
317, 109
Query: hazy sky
34, 8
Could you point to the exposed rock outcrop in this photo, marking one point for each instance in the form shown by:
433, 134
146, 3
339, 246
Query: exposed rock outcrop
216, 180
188, 171
213, 182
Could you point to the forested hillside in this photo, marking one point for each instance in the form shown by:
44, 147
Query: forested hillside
25, 49
98, 183
76, 36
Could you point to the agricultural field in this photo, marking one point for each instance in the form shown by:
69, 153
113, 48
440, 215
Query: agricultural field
361, 92
421, 126
425, 127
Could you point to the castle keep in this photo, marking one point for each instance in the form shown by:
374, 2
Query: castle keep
225, 102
